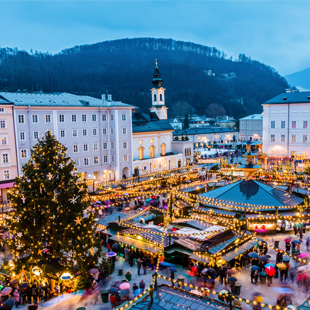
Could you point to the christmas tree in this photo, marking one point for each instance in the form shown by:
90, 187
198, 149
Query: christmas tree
48, 202
83, 281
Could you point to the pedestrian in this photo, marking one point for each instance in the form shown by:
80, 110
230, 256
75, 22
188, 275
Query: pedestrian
308, 243
113, 300
139, 265
300, 234
223, 275
255, 276
295, 230
57, 289
269, 280
287, 247
172, 277
272, 241
109, 247
232, 287
16, 298
144, 266
134, 287
142, 285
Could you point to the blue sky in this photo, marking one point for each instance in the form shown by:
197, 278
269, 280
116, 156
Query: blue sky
274, 32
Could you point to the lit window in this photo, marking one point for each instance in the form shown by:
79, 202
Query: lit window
23, 153
47, 118
141, 152
305, 124
96, 160
105, 158
305, 138
21, 119
105, 145
84, 132
123, 117
124, 145
74, 133
62, 133
85, 147
5, 158
163, 149
140, 142
104, 117
75, 148
86, 161
125, 157
95, 147
94, 131
152, 151
94, 117
152, 140
34, 118
35, 135
293, 124
4, 141
73, 118
104, 131
22, 136
282, 138
124, 131
83, 118
61, 118
293, 138
273, 138
6, 174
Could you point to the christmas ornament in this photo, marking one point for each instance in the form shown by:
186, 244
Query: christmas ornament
73, 200
19, 246
40, 252
78, 221
49, 176
23, 199
19, 235
62, 165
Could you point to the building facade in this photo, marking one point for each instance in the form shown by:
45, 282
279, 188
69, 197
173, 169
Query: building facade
251, 127
286, 125
96, 132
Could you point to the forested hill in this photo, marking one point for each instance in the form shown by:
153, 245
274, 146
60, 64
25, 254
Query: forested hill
193, 74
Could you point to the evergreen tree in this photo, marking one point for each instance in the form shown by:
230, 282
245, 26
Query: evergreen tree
186, 122
106, 266
48, 204
83, 281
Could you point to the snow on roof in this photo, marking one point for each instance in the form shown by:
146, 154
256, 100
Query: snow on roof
253, 116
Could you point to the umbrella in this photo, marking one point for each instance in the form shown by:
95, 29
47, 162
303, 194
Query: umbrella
14, 281
267, 255
301, 268
93, 271
283, 290
172, 269
228, 271
253, 255
111, 254
263, 259
287, 239
115, 246
124, 286
113, 290
285, 259
223, 292
165, 264
126, 194
124, 292
254, 268
261, 230
137, 292
281, 266
270, 271
232, 279
303, 255
297, 241
271, 265
23, 285
194, 269
190, 273
154, 197
8, 304
6, 291
148, 200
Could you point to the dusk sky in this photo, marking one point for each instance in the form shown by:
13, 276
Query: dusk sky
274, 32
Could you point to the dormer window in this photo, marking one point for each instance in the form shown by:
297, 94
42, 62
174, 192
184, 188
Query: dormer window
161, 97
155, 98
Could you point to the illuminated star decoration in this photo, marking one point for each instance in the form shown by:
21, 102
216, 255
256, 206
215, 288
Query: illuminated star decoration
40, 252
49, 176
19, 235
78, 221
62, 165
23, 199
17, 218
81, 188
19, 246
92, 251
73, 200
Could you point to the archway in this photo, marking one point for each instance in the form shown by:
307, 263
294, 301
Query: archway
125, 173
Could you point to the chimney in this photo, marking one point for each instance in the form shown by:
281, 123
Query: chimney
103, 97
109, 97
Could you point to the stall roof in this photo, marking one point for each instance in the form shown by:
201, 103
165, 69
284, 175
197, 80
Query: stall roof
114, 217
136, 243
204, 258
239, 250
218, 211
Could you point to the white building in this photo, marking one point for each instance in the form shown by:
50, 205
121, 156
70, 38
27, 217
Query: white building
152, 137
96, 132
286, 125
251, 127
176, 123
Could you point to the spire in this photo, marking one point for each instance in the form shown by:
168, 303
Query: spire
157, 80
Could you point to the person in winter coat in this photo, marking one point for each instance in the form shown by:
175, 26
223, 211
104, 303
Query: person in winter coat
16, 298
139, 265
134, 287
113, 301
269, 280
142, 285
255, 276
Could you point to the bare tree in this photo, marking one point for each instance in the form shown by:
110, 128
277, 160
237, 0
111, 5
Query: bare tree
181, 108
214, 110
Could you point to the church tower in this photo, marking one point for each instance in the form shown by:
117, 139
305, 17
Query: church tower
158, 95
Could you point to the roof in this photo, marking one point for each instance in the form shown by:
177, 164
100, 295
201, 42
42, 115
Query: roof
3, 101
252, 117
238, 250
292, 97
59, 100
253, 192
203, 130
146, 122
114, 217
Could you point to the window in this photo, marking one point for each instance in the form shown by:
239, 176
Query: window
152, 151
305, 124
125, 157
140, 142
5, 158
141, 152
273, 124
74, 132
105, 158
61, 118
161, 97
155, 99
1, 110
85, 147
4, 141
84, 132
105, 145
188, 152
113, 158
282, 124
304, 138
2, 124
123, 117
152, 140
73, 117
112, 131
62, 133
112, 145
94, 117
293, 138
96, 160
22, 136
273, 138
124, 145
34, 118
293, 124
124, 131
6, 174
76, 162
21, 119
95, 146
35, 135
86, 161
112, 117
282, 138
47, 118
104, 131
23, 153
83, 117
163, 149
104, 117
94, 131
75, 148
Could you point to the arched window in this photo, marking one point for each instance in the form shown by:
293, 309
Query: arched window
141, 152
161, 97
141, 142
163, 149
152, 151
155, 99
